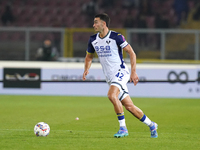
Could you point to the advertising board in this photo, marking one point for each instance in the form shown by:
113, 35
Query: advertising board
21, 78
166, 74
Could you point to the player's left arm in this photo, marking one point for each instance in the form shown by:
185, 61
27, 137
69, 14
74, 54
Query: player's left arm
134, 77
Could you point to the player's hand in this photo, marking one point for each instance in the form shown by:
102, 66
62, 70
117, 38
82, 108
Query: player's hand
134, 78
84, 75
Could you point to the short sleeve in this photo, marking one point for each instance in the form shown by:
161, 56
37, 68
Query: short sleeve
90, 48
121, 41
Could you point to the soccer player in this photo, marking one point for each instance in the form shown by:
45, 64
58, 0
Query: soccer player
109, 46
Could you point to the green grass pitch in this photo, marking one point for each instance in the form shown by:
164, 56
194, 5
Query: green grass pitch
178, 124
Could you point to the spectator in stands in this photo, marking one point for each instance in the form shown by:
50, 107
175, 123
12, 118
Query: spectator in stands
142, 24
7, 16
47, 52
145, 11
181, 8
196, 15
107, 3
145, 7
129, 21
90, 9
160, 22
128, 4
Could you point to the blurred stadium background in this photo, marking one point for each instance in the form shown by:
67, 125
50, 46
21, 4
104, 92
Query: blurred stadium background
163, 33
157, 29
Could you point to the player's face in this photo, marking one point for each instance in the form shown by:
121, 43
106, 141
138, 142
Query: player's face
98, 24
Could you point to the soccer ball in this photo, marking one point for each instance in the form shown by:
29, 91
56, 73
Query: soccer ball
41, 129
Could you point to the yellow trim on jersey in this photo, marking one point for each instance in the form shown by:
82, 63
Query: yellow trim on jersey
89, 53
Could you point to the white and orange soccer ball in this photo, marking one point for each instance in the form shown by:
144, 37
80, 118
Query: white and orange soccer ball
41, 129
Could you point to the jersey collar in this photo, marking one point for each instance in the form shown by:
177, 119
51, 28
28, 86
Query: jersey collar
105, 35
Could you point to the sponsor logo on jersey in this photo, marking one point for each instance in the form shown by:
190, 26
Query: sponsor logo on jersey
102, 48
103, 51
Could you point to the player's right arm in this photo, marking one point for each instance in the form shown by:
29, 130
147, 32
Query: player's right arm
88, 58
88, 62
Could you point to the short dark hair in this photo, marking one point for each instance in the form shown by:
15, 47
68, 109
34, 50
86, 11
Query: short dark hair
104, 17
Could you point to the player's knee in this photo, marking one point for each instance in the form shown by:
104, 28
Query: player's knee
111, 97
